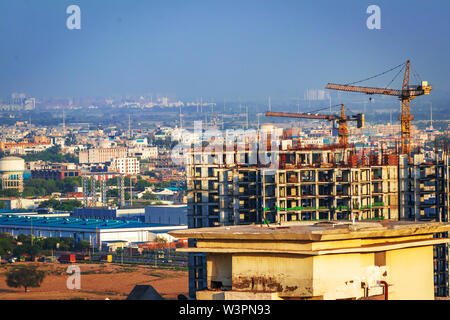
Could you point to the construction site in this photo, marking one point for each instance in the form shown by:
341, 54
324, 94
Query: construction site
333, 182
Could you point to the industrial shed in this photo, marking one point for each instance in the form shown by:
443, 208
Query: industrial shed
93, 230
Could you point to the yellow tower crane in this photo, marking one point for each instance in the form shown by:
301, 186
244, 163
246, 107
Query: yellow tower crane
406, 94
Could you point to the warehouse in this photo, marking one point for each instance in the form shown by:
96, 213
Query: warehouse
109, 213
166, 214
95, 231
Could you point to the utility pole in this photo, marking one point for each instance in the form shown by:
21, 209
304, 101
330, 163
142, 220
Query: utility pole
129, 126
94, 192
122, 191
431, 115
85, 191
246, 107
31, 221
131, 193
329, 97
103, 191
64, 122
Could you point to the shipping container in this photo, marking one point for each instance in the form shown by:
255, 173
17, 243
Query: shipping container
82, 257
106, 258
67, 258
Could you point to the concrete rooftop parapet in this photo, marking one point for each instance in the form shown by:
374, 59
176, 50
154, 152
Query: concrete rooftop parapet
321, 231
324, 260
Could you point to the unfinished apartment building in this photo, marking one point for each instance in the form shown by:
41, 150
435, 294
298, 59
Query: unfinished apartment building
330, 184
424, 191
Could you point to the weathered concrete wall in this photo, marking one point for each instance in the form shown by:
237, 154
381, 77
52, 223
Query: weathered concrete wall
341, 276
219, 269
289, 275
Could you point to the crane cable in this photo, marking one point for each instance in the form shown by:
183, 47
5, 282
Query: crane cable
395, 77
375, 76
416, 75
326, 108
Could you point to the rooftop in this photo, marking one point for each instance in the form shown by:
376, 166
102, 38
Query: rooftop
315, 231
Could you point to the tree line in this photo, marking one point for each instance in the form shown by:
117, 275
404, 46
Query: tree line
52, 154
36, 246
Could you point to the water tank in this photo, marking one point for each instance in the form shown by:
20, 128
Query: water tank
12, 164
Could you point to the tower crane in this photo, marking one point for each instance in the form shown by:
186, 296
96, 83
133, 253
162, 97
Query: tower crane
406, 94
338, 120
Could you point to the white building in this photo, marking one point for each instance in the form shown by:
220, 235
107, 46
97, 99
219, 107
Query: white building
143, 152
126, 166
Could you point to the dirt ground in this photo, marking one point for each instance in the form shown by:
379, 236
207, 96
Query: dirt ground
98, 282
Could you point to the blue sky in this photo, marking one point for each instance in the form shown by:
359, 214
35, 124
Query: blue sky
222, 49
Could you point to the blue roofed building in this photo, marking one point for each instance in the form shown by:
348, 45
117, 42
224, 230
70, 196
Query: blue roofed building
95, 231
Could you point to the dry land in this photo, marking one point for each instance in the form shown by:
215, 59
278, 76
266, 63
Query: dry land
99, 281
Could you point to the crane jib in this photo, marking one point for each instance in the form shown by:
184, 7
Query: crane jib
368, 90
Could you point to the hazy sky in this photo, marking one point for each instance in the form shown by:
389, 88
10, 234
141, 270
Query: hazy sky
223, 49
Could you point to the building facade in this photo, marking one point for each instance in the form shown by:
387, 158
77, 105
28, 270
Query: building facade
128, 166
101, 155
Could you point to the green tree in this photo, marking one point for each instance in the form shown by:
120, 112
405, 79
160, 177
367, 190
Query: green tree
142, 184
65, 205
161, 243
50, 203
10, 193
24, 238
149, 196
82, 245
26, 248
52, 154
25, 277
6, 243
69, 205
50, 243
112, 193
66, 243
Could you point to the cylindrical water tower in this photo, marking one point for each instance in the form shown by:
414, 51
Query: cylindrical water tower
11, 172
